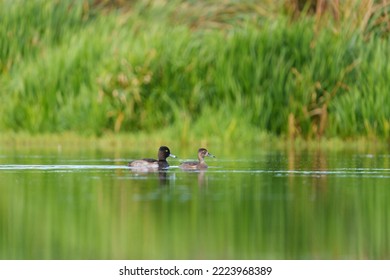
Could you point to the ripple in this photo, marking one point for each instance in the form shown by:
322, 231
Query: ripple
67, 167
341, 172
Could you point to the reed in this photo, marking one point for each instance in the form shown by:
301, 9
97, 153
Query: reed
229, 70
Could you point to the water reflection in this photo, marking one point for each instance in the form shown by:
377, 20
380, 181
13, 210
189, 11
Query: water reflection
271, 205
200, 176
165, 175
161, 174
313, 161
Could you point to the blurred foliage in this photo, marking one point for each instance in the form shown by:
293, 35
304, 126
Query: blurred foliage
290, 68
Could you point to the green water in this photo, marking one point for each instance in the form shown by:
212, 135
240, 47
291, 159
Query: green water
258, 205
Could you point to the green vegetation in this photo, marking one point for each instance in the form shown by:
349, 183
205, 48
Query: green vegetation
232, 70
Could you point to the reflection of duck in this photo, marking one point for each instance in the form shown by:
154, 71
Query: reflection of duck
162, 177
199, 175
196, 165
149, 163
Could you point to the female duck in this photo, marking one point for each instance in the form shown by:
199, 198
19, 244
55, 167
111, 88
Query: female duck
195, 165
149, 163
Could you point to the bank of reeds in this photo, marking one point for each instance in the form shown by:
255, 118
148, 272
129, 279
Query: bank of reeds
230, 70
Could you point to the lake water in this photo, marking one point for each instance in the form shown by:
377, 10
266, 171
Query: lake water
261, 205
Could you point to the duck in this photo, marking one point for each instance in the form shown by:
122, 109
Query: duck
149, 163
197, 165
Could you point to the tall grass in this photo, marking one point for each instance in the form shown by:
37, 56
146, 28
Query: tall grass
233, 72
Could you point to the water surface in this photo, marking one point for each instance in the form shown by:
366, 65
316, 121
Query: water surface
258, 205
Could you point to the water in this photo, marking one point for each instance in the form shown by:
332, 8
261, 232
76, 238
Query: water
257, 205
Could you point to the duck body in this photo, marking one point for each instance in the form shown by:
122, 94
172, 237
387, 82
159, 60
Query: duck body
193, 165
197, 165
150, 163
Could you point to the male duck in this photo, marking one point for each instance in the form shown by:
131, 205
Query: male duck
149, 163
195, 165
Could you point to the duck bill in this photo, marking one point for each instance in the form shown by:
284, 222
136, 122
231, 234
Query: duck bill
210, 155
173, 156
